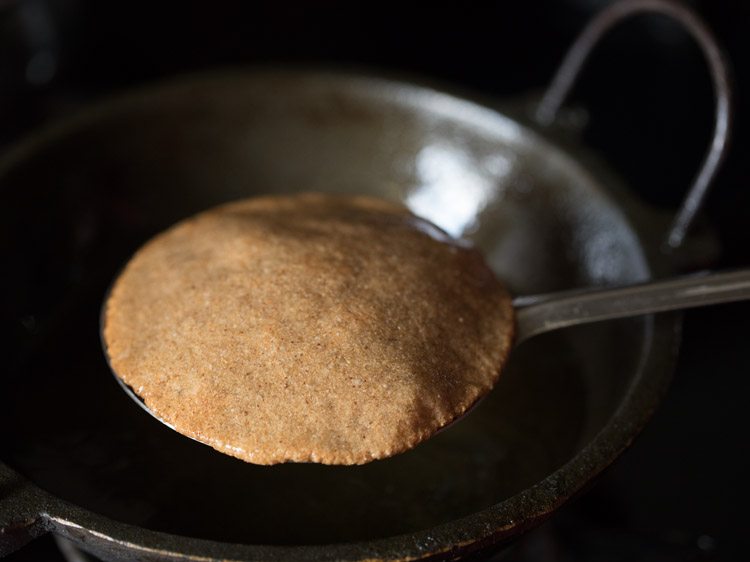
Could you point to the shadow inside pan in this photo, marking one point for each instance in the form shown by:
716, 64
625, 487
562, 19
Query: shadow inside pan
79, 203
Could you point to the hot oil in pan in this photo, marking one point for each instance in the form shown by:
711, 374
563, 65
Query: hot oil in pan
77, 435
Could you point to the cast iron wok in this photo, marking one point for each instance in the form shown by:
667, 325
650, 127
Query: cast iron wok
81, 460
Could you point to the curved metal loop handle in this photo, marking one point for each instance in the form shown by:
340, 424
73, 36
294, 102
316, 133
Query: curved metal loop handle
578, 54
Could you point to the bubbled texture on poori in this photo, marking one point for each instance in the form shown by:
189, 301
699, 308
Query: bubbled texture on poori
308, 328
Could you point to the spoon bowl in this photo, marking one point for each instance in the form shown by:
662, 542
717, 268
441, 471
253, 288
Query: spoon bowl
533, 315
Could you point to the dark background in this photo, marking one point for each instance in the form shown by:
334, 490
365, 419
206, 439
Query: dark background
680, 493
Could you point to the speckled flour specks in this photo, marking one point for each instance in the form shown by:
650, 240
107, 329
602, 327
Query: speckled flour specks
308, 328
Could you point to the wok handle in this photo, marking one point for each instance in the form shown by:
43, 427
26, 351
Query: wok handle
536, 315
578, 54
21, 519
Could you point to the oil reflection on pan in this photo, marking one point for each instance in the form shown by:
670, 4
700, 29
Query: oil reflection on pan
453, 188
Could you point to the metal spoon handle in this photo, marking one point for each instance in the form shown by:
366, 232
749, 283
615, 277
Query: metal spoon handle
535, 315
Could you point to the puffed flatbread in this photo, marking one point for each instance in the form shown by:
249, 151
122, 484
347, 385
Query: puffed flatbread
308, 328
